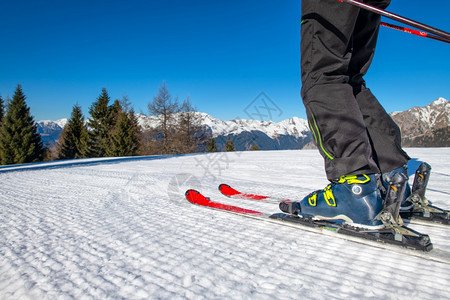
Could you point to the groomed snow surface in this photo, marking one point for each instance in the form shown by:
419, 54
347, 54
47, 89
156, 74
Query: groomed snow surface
121, 228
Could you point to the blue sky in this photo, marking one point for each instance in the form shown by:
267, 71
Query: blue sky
222, 54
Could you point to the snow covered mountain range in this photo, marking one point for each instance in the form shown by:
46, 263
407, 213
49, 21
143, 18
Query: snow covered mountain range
421, 126
291, 133
50, 130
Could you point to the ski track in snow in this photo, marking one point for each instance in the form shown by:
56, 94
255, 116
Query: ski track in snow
121, 228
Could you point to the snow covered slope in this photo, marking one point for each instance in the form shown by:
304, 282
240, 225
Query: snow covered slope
121, 228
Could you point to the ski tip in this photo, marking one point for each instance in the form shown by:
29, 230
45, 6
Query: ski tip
223, 186
227, 190
191, 192
196, 197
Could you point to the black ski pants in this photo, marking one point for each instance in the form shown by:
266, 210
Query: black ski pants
352, 130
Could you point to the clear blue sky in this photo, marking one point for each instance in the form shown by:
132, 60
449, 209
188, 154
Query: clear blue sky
222, 53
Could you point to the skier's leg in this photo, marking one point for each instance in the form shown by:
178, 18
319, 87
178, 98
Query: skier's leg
384, 133
333, 112
335, 118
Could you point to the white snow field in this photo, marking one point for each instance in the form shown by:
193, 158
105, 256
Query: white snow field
121, 228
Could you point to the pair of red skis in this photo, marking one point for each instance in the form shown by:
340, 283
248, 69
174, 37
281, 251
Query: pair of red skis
384, 238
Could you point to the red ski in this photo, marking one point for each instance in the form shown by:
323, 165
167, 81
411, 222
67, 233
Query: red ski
196, 197
230, 192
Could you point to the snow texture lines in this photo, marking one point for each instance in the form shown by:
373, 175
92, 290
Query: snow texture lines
113, 230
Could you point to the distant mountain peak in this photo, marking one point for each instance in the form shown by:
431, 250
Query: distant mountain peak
439, 101
61, 122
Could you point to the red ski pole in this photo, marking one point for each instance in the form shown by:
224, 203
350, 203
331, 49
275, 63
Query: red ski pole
415, 32
421, 26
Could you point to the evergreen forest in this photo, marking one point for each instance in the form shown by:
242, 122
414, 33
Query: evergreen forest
111, 130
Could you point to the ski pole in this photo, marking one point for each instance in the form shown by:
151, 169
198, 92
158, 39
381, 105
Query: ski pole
398, 18
415, 32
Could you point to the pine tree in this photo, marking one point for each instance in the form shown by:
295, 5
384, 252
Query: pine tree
2, 110
100, 123
116, 109
136, 131
2, 115
211, 147
255, 147
125, 136
229, 146
136, 134
73, 142
19, 140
